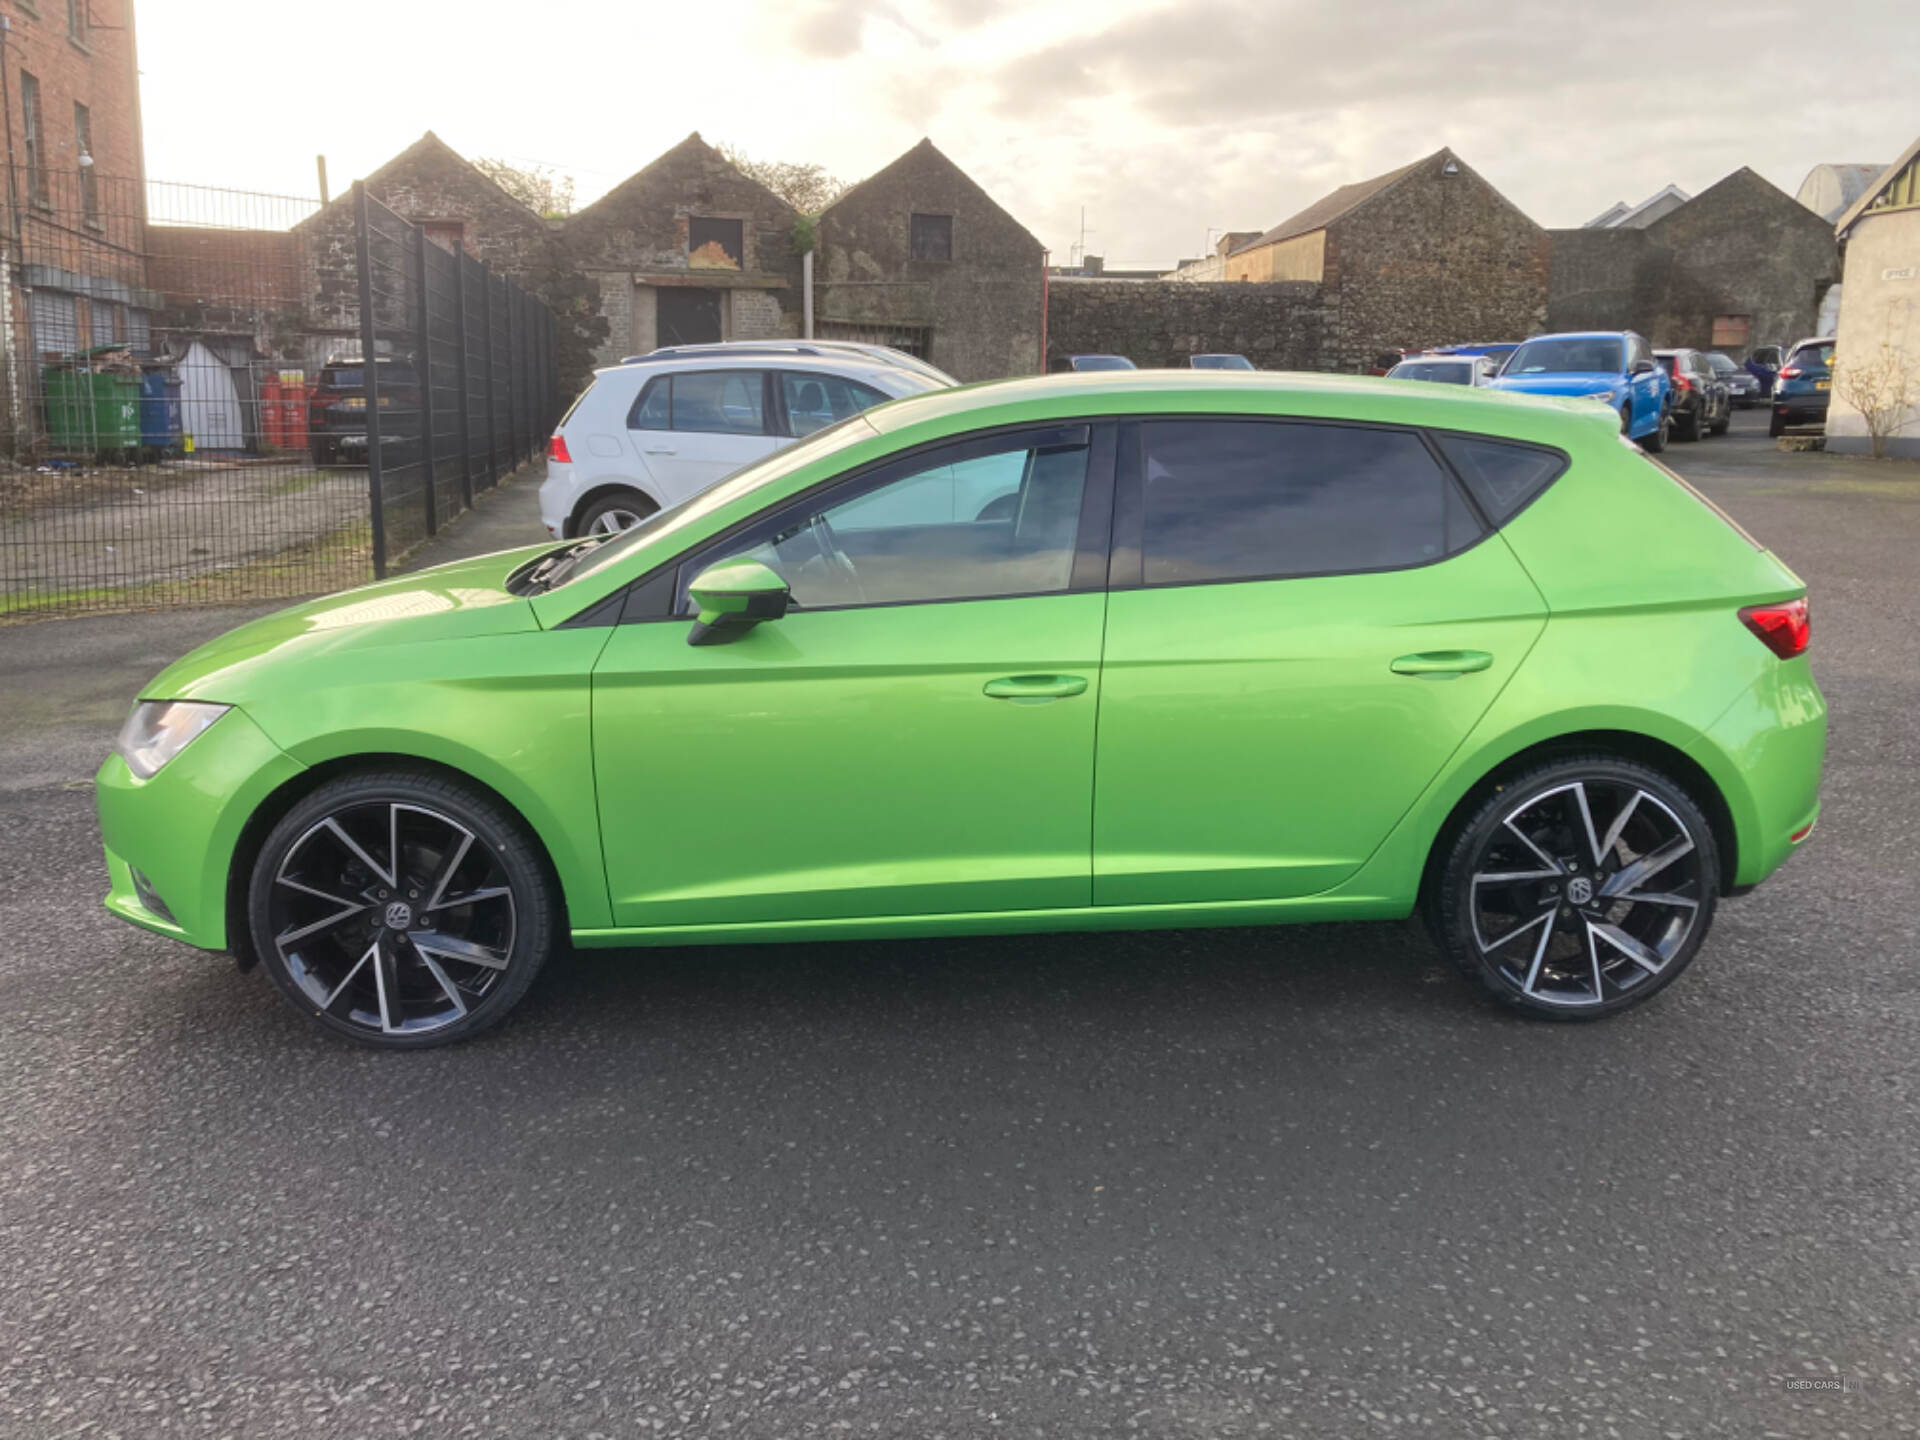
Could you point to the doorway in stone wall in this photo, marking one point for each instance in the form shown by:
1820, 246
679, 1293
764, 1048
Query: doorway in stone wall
686, 316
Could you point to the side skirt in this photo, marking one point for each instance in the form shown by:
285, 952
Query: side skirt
1302, 910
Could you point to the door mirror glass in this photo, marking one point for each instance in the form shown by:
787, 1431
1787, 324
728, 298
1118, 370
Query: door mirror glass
732, 598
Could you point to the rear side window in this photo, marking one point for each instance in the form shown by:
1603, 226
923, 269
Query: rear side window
1502, 477
1245, 500
712, 402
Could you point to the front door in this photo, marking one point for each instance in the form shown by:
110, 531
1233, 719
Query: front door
914, 737
1307, 620
686, 316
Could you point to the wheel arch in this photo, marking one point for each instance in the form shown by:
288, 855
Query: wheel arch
270, 811
1649, 750
598, 490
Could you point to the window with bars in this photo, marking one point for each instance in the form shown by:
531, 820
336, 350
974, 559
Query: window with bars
33, 138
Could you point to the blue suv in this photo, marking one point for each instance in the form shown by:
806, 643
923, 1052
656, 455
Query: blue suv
1614, 367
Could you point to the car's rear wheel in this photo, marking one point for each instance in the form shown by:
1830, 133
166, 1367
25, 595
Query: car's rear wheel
1579, 888
401, 910
614, 512
1692, 426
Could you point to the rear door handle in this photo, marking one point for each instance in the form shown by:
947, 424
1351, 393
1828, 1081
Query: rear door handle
1035, 687
1443, 662
660, 450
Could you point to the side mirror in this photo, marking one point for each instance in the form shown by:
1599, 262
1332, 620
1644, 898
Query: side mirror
734, 596
1643, 367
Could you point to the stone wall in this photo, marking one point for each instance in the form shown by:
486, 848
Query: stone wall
1432, 259
1161, 323
1741, 247
1879, 307
981, 308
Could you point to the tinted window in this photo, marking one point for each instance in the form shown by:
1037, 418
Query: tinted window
1502, 477
1812, 356
947, 529
1233, 499
816, 401
1575, 356
1722, 365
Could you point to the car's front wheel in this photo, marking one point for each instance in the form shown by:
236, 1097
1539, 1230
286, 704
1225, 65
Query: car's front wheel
1656, 442
401, 910
1578, 888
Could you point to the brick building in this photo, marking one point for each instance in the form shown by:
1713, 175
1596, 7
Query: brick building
687, 251
77, 193
918, 256
1423, 255
1740, 264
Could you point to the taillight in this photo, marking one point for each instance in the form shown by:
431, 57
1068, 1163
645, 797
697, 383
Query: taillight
557, 450
1783, 629
1681, 382
1792, 372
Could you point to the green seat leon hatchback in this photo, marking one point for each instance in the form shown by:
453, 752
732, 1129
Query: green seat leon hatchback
1097, 652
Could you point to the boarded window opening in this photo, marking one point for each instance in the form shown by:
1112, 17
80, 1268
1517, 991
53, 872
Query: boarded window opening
932, 237
715, 244
1731, 330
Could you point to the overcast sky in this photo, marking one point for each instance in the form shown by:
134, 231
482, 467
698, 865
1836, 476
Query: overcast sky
1164, 118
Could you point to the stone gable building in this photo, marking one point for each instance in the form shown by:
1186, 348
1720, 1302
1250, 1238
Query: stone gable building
919, 257
1879, 322
688, 251
1423, 255
1740, 264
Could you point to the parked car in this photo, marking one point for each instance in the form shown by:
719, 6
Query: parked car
337, 411
1301, 651
1702, 403
1387, 359
1497, 350
1742, 386
885, 354
1220, 362
643, 437
1805, 387
1614, 367
1092, 362
1763, 363
1447, 369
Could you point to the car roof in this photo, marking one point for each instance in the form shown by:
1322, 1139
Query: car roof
1246, 392
1427, 356
1581, 335
843, 363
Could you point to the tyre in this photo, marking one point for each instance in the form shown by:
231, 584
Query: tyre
613, 512
1579, 888
1693, 425
1655, 443
401, 910
1776, 427
1721, 425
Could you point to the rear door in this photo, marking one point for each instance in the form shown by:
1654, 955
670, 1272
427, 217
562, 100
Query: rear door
1306, 620
694, 428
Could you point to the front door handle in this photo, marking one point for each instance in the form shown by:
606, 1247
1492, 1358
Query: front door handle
1035, 687
1443, 662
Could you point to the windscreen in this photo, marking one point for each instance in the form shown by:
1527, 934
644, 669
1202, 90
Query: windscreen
1568, 355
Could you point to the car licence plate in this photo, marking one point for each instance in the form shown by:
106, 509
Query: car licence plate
1823, 384
354, 402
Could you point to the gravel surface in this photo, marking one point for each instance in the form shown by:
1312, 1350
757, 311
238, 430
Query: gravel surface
1222, 1183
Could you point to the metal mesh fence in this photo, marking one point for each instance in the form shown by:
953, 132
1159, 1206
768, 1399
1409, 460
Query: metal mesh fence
214, 396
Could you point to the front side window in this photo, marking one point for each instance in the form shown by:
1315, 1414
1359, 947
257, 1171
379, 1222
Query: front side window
816, 401
931, 237
949, 526
1253, 499
710, 402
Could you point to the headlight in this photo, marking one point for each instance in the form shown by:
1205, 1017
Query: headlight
1605, 397
158, 730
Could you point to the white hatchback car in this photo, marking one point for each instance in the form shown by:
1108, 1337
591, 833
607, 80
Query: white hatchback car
650, 433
